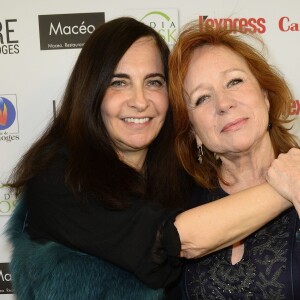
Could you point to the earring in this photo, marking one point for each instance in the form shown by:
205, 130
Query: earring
200, 154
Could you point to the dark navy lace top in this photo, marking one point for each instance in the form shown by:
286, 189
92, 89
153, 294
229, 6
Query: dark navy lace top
269, 269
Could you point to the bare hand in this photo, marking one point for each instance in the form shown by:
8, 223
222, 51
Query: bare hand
284, 176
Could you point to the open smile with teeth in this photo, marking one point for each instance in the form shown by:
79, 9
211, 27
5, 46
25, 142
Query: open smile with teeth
136, 120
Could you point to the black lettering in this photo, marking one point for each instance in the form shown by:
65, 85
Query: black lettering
1, 36
8, 31
16, 47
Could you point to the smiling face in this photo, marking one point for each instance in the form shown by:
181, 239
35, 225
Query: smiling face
136, 102
227, 107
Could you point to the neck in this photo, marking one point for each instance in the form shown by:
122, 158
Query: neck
134, 159
246, 169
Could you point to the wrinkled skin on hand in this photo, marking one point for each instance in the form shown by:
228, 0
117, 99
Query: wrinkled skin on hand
284, 176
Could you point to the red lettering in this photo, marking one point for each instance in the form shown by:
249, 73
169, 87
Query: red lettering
261, 25
281, 24
201, 23
295, 108
210, 23
244, 25
251, 25
219, 22
294, 27
285, 25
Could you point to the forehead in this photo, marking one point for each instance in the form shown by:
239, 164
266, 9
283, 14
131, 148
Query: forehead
143, 51
209, 63
216, 56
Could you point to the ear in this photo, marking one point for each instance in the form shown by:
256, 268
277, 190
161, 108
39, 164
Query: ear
194, 134
198, 140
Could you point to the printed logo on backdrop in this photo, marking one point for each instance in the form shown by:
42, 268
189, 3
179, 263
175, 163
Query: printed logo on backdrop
9, 125
164, 21
5, 279
295, 108
286, 24
251, 25
9, 43
7, 202
67, 31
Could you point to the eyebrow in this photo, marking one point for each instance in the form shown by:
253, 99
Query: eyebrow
195, 89
124, 75
232, 70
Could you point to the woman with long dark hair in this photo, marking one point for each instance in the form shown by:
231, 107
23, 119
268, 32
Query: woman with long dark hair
102, 185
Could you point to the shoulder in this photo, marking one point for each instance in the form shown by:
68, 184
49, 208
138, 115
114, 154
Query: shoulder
52, 174
201, 195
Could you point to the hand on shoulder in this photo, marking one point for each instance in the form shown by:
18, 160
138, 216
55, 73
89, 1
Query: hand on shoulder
284, 176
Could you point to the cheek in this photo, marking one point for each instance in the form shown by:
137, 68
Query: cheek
106, 122
262, 112
263, 119
192, 117
206, 129
111, 105
162, 105
104, 107
199, 120
165, 109
107, 115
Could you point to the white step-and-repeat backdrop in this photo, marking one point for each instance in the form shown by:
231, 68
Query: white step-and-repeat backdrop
40, 41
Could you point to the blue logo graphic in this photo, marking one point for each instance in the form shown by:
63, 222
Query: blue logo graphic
7, 113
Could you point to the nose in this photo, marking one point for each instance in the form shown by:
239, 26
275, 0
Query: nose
138, 99
224, 103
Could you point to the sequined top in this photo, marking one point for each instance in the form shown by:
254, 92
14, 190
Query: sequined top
269, 269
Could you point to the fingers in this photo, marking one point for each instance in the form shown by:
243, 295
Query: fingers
284, 176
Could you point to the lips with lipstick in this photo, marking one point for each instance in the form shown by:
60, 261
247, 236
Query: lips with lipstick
235, 125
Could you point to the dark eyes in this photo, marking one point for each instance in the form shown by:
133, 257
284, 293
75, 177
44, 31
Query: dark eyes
201, 99
117, 83
234, 82
230, 84
156, 83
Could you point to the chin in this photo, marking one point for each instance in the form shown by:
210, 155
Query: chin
139, 145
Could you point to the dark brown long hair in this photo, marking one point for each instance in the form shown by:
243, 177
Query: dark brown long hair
93, 165
268, 77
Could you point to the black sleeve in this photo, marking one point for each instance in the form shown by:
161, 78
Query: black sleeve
141, 239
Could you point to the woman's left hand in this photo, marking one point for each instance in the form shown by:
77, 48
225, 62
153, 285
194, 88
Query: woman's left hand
284, 176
